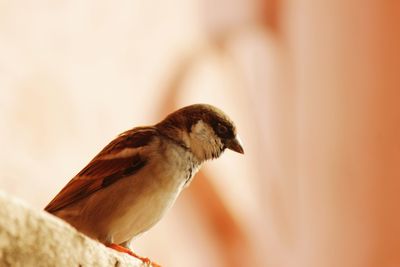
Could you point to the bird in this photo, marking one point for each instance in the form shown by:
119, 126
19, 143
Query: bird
128, 187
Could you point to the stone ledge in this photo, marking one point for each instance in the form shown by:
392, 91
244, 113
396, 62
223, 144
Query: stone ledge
30, 237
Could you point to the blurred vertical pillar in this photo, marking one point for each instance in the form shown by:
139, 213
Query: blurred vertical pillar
347, 76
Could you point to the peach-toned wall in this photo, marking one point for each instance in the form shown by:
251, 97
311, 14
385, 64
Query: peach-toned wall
346, 62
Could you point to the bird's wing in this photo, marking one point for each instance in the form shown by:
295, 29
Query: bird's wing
119, 159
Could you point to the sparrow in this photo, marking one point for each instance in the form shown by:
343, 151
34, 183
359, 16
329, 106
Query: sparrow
127, 188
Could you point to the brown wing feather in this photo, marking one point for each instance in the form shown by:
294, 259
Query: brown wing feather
102, 172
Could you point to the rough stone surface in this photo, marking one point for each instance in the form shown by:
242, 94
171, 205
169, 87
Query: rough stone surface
30, 237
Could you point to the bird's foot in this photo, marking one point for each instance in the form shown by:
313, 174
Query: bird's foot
119, 248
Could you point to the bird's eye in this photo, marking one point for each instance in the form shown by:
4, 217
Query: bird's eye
222, 129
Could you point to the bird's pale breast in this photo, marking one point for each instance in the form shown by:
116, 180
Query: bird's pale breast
134, 204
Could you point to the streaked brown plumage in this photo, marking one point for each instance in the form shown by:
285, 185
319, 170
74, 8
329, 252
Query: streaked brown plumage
130, 184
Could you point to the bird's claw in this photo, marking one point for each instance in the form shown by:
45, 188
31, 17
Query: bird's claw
146, 261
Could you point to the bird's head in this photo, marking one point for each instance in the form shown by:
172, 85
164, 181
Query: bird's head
204, 129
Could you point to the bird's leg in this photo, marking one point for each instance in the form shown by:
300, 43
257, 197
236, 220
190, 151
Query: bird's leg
130, 252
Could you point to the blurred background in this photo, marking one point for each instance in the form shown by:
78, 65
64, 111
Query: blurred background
313, 86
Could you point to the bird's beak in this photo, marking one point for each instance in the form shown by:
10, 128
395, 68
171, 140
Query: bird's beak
235, 144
